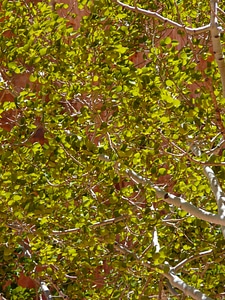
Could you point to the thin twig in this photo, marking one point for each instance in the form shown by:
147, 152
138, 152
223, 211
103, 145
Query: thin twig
95, 225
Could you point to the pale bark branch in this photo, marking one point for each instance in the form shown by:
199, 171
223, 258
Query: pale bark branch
189, 259
185, 153
215, 30
213, 27
189, 30
174, 280
155, 240
178, 201
188, 290
217, 148
218, 193
95, 225
46, 291
215, 188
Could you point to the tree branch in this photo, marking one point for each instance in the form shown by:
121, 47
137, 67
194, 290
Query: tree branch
185, 288
46, 291
218, 193
185, 153
189, 30
95, 225
178, 201
215, 30
189, 259
174, 280
215, 188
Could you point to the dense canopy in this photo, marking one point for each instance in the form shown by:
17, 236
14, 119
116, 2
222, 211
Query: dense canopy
111, 149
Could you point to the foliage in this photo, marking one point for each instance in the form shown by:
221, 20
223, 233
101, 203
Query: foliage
69, 99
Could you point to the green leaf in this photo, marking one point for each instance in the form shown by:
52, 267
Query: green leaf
121, 49
43, 51
33, 78
167, 40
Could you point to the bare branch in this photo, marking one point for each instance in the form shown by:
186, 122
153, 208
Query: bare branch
2, 298
155, 240
71, 156
174, 200
220, 10
189, 30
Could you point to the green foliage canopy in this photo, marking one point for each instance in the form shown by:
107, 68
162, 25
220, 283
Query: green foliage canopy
79, 97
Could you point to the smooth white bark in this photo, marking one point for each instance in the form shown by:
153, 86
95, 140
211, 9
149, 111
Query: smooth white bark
153, 14
178, 201
188, 290
215, 30
218, 193
173, 279
215, 187
181, 264
46, 291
